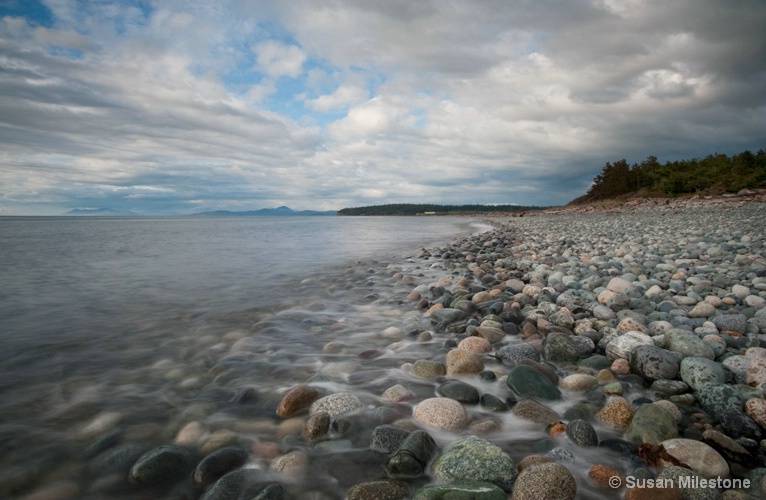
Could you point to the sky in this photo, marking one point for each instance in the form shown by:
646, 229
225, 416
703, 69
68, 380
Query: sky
183, 106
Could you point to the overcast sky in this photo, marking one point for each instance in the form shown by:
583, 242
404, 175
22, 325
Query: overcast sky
180, 106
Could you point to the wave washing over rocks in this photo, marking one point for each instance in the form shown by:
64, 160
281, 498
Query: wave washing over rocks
541, 359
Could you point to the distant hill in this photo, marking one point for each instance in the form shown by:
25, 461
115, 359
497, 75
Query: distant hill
99, 211
430, 209
286, 211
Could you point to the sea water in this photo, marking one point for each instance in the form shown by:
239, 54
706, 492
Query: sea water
130, 323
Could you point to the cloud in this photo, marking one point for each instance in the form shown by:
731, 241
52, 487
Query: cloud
277, 59
178, 106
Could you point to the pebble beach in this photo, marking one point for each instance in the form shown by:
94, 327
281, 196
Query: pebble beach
597, 355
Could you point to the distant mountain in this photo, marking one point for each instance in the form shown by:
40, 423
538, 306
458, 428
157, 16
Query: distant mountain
98, 211
264, 211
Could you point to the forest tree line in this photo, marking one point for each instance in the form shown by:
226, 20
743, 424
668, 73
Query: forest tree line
711, 175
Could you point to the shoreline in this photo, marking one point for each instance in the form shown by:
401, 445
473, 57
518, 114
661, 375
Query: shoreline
511, 349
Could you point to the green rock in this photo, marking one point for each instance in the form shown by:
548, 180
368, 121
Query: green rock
688, 344
475, 459
560, 348
715, 399
159, 465
446, 315
461, 491
596, 362
528, 382
699, 372
652, 424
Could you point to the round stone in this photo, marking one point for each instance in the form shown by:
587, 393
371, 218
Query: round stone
582, 433
652, 424
336, 404
622, 346
297, 399
475, 459
616, 413
387, 489
699, 372
549, 480
578, 382
428, 369
478, 345
441, 413
756, 409
654, 363
460, 361
700, 457
528, 382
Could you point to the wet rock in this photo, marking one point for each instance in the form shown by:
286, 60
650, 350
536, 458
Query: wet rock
756, 371
623, 345
292, 464
379, 490
687, 344
582, 433
578, 382
218, 463
461, 491
600, 475
475, 459
700, 457
737, 424
317, 426
688, 488
490, 334
387, 438
411, 458
652, 424
118, 459
528, 382
441, 413
511, 355
616, 413
560, 348
551, 480
459, 391
336, 404
730, 322
478, 345
297, 399
428, 369
166, 463
446, 315
729, 449
238, 484
493, 403
716, 399
531, 410
654, 363
699, 372
756, 409
460, 361
670, 387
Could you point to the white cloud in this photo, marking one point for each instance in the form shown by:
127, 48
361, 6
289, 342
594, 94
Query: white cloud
344, 96
277, 59
236, 103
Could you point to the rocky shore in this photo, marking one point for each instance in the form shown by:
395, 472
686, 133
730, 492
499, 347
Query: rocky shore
582, 355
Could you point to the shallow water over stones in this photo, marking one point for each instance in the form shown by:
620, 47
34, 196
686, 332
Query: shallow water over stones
353, 344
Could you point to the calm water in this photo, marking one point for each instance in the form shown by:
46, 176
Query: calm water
131, 319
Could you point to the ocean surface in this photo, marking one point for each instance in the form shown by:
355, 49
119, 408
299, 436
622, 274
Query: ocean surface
124, 324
